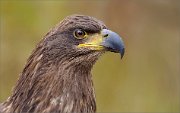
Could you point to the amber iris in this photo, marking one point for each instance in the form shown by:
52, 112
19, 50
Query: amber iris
79, 34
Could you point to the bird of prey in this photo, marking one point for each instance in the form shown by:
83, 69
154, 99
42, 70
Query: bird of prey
57, 75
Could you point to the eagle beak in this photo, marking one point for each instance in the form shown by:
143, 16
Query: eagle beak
105, 40
112, 42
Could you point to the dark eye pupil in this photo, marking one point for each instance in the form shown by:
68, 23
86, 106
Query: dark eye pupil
80, 33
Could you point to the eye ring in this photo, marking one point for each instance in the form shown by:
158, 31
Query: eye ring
79, 34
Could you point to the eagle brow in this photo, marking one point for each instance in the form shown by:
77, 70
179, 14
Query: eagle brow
88, 30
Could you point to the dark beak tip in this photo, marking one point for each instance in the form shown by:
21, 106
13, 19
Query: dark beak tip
122, 51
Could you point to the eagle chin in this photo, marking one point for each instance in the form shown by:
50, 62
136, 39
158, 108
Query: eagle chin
57, 75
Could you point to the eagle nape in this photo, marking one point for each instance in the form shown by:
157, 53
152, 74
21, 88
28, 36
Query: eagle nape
57, 75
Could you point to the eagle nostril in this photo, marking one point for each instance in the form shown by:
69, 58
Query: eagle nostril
106, 35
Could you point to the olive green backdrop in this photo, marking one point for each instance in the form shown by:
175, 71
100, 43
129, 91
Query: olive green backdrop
147, 79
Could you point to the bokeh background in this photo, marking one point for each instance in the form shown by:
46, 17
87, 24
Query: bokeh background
147, 79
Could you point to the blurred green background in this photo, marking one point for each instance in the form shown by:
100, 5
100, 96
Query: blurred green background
147, 79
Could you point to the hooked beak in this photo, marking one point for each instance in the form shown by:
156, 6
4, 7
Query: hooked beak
105, 40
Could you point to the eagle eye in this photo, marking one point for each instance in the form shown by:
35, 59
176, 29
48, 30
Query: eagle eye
79, 34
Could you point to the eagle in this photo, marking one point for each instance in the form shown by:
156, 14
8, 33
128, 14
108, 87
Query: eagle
57, 75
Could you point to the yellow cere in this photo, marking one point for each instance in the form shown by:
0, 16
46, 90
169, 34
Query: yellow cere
93, 42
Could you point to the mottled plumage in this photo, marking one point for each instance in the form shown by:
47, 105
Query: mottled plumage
57, 76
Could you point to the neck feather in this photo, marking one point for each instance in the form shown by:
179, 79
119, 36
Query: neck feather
64, 85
